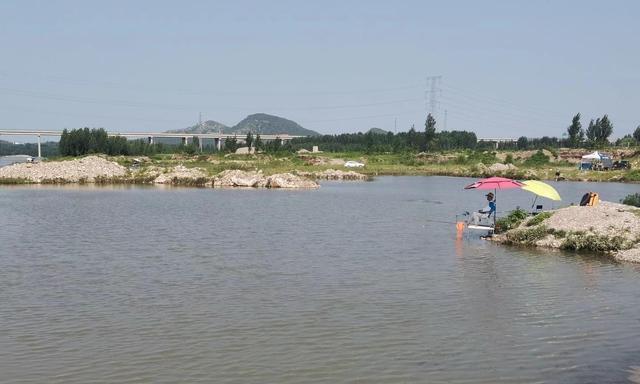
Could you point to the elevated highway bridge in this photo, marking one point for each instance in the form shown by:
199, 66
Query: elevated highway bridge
150, 136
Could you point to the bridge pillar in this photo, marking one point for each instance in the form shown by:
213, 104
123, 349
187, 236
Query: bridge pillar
39, 148
497, 144
185, 141
150, 140
200, 140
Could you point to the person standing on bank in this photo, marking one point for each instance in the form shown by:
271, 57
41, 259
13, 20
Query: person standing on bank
485, 212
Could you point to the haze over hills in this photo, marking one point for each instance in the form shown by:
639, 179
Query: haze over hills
257, 123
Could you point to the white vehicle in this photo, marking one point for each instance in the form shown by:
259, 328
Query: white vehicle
353, 164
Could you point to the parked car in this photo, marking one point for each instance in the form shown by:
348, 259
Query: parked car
622, 164
353, 164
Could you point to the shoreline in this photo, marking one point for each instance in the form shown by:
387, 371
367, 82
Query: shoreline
608, 229
254, 170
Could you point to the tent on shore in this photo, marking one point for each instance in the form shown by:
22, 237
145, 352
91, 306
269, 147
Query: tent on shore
602, 159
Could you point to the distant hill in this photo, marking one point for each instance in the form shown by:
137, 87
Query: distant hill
268, 125
256, 123
377, 131
208, 126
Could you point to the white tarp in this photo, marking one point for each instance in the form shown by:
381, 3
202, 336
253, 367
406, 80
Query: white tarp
594, 156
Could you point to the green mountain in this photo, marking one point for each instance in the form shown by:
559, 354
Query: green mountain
208, 126
270, 125
377, 131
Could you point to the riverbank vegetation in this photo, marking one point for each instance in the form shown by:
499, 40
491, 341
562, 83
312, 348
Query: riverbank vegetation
607, 228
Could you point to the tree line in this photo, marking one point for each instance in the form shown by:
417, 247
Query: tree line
83, 141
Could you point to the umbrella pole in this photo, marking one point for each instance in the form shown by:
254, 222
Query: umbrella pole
495, 201
534, 201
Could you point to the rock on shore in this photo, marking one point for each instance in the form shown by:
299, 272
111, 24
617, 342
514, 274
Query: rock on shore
334, 174
86, 169
607, 228
255, 179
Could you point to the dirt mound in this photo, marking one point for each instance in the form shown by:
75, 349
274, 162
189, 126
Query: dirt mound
607, 228
86, 169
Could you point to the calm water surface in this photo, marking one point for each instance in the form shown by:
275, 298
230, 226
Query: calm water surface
354, 282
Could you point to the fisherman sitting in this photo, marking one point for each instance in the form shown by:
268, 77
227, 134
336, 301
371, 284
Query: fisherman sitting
485, 212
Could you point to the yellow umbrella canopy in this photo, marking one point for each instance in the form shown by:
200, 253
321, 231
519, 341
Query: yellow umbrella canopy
541, 189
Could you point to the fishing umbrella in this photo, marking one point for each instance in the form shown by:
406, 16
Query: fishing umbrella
495, 183
542, 189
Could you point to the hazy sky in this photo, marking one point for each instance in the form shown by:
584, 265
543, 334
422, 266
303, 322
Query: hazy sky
508, 68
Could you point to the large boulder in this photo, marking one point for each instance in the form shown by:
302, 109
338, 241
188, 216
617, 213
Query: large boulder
245, 151
288, 180
239, 178
499, 167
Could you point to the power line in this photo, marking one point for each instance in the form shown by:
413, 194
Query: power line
184, 91
137, 104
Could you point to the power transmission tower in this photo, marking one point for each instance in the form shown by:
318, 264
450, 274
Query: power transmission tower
445, 119
431, 95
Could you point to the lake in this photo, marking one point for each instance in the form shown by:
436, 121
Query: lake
351, 283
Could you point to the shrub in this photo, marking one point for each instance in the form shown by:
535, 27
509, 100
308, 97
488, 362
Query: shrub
582, 241
486, 157
558, 233
633, 199
527, 236
512, 220
508, 159
538, 159
539, 218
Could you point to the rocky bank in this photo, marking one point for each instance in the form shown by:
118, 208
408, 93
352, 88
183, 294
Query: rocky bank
95, 169
608, 228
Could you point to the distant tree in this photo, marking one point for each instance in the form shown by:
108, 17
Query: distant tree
636, 134
574, 131
258, 142
626, 141
249, 139
231, 144
523, 143
430, 131
591, 132
606, 129
412, 139
63, 145
599, 131
195, 143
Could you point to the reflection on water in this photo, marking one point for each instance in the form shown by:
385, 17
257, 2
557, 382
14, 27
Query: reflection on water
354, 282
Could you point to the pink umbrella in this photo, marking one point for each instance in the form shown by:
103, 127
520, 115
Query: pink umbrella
495, 183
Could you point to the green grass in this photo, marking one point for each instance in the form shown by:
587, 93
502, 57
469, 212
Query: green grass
15, 181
